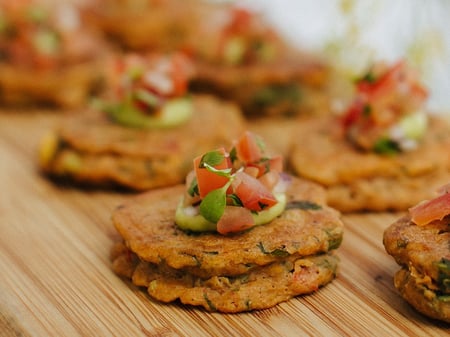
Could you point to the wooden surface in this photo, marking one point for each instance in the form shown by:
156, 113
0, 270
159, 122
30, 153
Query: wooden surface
55, 276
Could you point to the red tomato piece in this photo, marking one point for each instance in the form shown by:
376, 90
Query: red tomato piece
180, 73
253, 194
274, 164
235, 219
353, 113
208, 181
247, 148
270, 179
428, 211
386, 82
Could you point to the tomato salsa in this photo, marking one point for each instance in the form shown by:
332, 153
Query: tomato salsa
149, 91
233, 191
387, 115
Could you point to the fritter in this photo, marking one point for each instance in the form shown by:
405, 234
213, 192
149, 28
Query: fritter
260, 288
356, 180
424, 254
306, 227
89, 148
289, 86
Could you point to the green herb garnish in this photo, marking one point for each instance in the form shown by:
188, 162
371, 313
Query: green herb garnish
211, 158
214, 203
303, 204
444, 275
386, 146
193, 188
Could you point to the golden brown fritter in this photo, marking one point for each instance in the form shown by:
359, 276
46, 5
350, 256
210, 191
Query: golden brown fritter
357, 180
294, 84
424, 254
260, 288
423, 299
307, 227
89, 148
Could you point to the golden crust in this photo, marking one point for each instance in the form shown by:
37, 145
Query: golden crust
420, 297
357, 180
260, 288
147, 225
419, 247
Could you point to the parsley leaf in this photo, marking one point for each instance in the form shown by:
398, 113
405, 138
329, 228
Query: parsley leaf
211, 158
213, 204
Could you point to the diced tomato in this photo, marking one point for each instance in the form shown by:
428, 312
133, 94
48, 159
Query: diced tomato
208, 181
353, 113
270, 179
181, 72
247, 148
385, 83
268, 165
252, 171
235, 219
253, 194
428, 211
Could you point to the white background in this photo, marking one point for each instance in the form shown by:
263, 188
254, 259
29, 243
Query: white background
355, 33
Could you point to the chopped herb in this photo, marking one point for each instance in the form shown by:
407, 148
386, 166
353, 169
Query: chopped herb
386, 146
270, 95
211, 158
211, 306
402, 243
444, 275
303, 204
193, 188
278, 252
262, 205
233, 154
367, 110
369, 77
214, 252
334, 239
235, 201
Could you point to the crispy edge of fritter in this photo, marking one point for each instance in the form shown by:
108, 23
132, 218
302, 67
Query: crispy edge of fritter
423, 299
419, 248
260, 288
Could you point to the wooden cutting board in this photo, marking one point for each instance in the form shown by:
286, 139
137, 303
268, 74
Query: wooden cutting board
56, 280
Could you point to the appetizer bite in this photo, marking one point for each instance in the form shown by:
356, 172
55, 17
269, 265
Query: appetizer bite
385, 153
241, 57
47, 54
239, 235
144, 132
419, 243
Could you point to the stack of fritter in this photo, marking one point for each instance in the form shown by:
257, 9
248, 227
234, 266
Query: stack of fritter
255, 269
423, 252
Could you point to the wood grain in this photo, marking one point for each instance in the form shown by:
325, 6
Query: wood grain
55, 276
